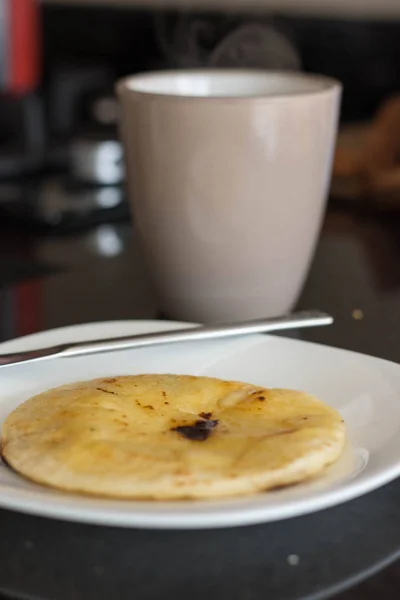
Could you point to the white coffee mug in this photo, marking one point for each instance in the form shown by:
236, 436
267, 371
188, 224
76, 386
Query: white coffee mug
228, 172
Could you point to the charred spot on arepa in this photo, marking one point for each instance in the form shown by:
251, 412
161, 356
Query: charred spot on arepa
199, 431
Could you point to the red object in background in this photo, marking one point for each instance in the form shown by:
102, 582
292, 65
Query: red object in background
27, 313
24, 46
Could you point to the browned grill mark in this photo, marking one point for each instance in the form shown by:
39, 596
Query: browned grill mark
148, 406
106, 391
260, 397
164, 393
282, 486
205, 415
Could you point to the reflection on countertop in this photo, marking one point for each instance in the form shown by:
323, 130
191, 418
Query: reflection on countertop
56, 280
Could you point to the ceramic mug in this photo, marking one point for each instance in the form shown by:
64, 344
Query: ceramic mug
228, 172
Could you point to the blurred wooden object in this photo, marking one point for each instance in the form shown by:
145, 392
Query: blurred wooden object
367, 159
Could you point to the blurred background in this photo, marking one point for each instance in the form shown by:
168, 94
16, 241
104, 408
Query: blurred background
62, 202
59, 60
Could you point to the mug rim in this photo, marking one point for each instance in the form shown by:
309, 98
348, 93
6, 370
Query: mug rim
327, 85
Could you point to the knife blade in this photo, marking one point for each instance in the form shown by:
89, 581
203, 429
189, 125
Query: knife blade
195, 333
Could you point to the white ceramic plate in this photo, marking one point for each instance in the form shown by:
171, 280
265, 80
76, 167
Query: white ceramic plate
365, 390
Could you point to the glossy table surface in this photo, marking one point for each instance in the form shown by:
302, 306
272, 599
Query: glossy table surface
52, 281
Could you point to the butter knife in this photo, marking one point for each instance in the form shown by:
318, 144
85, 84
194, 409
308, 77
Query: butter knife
298, 320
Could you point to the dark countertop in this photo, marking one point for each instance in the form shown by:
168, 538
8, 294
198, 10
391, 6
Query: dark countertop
50, 281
